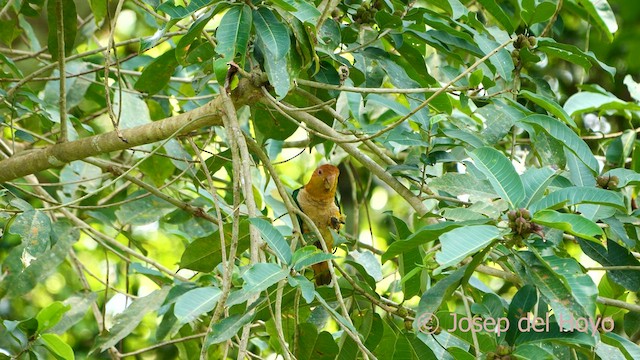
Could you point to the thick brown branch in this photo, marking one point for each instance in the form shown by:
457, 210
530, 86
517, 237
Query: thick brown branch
57, 155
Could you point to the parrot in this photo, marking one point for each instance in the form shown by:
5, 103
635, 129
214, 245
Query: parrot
317, 199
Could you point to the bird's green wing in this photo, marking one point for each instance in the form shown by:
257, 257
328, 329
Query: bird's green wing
295, 198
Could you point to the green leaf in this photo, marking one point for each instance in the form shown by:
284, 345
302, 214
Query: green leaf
572, 54
274, 238
463, 184
614, 255
306, 287
228, 328
57, 346
633, 87
630, 349
315, 346
76, 87
570, 223
496, 11
157, 74
335, 314
501, 60
233, 32
535, 182
196, 302
143, 211
542, 12
566, 136
586, 101
621, 147
500, 173
579, 173
433, 298
277, 70
189, 39
128, 320
523, 302
99, 10
579, 195
69, 24
308, 256
499, 118
262, 275
79, 305
272, 32
603, 16
626, 177
204, 254
51, 315
461, 242
422, 236
20, 281
554, 289
369, 263
34, 227
550, 105
177, 11
304, 11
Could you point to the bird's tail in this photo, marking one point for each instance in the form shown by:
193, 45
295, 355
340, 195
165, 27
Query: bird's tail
321, 273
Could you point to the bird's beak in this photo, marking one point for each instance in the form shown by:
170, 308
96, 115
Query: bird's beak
328, 182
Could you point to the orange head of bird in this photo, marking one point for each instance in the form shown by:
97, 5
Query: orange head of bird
324, 181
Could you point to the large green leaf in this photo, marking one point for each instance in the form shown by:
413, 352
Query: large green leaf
614, 255
181, 9
57, 346
556, 290
563, 134
272, 32
630, 349
550, 105
501, 60
499, 118
188, 40
461, 242
204, 254
433, 298
19, 280
128, 320
579, 195
535, 182
579, 173
422, 236
34, 227
571, 223
274, 238
51, 315
315, 346
228, 328
602, 15
308, 256
500, 173
463, 184
196, 302
69, 24
496, 11
572, 54
586, 101
621, 147
277, 70
233, 32
626, 177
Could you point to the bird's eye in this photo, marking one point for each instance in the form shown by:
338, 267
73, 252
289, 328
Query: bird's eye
319, 172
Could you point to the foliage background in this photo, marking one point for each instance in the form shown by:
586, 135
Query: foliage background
431, 200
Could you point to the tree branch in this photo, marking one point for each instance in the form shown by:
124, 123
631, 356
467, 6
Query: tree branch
57, 155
